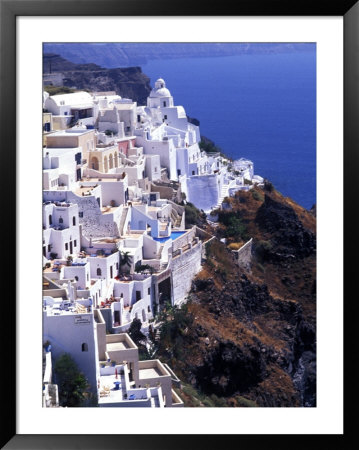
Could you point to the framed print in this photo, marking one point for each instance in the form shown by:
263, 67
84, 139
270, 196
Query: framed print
164, 223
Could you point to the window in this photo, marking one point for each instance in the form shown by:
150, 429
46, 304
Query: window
61, 220
138, 296
49, 248
165, 116
50, 219
149, 309
164, 104
99, 272
66, 246
192, 172
178, 172
81, 214
149, 291
76, 278
74, 221
84, 347
75, 243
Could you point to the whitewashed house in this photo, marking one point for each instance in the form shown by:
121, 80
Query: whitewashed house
68, 109
61, 232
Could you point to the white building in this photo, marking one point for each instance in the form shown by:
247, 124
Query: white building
128, 382
72, 330
71, 108
163, 130
62, 167
61, 232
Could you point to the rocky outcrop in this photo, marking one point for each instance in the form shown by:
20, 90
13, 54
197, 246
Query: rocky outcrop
289, 238
129, 82
252, 333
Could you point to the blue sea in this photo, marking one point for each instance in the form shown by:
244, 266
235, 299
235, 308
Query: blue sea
258, 106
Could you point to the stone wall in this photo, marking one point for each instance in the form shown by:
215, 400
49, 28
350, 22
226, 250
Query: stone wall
184, 268
183, 240
244, 255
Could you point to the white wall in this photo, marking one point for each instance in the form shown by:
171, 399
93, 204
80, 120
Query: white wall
66, 335
203, 191
184, 268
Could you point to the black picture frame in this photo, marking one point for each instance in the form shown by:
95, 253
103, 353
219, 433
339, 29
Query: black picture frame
9, 10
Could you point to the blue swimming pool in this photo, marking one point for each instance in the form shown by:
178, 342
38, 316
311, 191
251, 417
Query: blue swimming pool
174, 235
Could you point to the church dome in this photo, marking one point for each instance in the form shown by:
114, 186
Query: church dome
160, 89
163, 92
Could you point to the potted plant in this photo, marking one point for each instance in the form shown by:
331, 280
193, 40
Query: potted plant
69, 260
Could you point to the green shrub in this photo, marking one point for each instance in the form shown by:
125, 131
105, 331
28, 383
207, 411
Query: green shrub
71, 382
193, 216
56, 90
263, 249
257, 195
245, 402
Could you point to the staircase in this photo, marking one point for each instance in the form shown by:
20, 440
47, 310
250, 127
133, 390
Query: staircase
223, 194
176, 219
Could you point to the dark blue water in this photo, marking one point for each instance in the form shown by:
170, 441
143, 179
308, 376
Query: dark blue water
261, 107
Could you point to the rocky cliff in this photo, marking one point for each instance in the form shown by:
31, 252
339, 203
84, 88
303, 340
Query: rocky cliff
133, 54
248, 337
129, 82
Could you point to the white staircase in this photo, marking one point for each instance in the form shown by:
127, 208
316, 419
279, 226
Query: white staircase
223, 194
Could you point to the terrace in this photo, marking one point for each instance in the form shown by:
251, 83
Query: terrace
150, 369
84, 190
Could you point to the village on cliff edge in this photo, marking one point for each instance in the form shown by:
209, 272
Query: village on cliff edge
115, 243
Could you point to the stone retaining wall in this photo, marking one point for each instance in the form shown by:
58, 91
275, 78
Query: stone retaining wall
243, 256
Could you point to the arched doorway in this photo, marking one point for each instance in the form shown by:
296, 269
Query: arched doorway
94, 163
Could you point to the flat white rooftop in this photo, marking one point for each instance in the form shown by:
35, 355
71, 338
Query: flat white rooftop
59, 151
115, 346
71, 132
151, 372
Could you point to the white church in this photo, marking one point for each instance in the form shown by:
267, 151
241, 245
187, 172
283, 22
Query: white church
163, 129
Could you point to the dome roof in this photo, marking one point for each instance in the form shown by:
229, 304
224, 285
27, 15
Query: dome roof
160, 89
161, 92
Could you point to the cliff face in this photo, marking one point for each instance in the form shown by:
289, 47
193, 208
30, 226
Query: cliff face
252, 334
128, 82
133, 54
